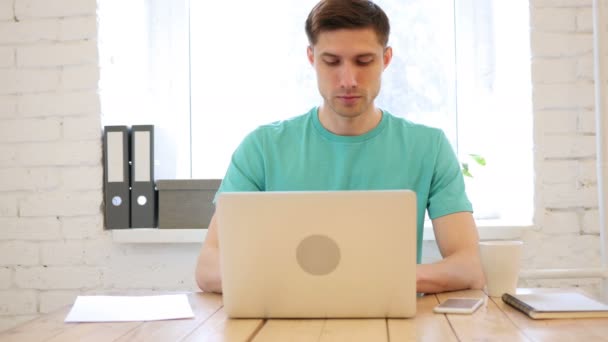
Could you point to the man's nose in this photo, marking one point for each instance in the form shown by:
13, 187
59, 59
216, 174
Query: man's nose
348, 77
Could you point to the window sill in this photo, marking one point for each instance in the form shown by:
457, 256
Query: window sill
155, 235
488, 230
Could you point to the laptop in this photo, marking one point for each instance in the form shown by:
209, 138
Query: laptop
318, 254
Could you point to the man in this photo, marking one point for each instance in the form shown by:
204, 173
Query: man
349, 144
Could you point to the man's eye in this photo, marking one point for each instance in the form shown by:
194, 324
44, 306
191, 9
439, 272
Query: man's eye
331, 61
365, 61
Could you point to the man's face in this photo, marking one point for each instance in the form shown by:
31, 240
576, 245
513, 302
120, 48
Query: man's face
349, 65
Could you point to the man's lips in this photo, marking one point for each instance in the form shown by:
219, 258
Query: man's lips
349, 100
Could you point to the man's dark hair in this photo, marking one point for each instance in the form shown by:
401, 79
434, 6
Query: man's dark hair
330, 15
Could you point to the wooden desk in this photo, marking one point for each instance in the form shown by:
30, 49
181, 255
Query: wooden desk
494, 321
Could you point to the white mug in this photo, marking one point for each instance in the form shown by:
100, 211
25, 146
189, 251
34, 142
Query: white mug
501, 262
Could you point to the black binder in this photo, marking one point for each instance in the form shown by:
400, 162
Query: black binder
143, 194
116, 177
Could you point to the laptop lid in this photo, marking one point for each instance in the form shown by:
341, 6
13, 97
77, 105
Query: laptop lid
318, 254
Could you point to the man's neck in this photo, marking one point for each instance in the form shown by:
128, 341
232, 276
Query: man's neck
349, 126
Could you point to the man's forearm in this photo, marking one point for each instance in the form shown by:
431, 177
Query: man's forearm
457, 272
208, 274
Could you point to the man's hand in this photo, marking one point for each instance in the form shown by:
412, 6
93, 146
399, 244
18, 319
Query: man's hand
208, 276
457, 239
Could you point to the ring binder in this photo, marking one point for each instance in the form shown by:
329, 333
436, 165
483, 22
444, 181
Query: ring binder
143, 194
116, 177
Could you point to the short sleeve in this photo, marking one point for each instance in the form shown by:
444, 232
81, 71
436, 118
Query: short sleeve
246, 169
447, 194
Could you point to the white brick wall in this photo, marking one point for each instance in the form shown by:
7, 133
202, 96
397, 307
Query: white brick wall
8, 106
554, 19
6, 278
52, 300
19, 253
71, 103
54, 9
561, 221
81, 128
31, 80
13, 179
563, 95
7, 57
8, 204
555, 71
57, 277
59, 153
82, 178
46, 129
52, 243
541, 4
30, 228
586, 122
57, 54
591, 221
88, 227
18, 302
567, 235
6, 10
79, 77
550, 44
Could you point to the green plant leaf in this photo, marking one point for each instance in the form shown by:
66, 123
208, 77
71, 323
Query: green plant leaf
478, 159
465, 170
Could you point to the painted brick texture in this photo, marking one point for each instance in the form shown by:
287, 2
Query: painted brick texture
52, 243
567, 221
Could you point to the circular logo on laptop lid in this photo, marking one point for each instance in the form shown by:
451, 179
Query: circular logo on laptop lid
318, 254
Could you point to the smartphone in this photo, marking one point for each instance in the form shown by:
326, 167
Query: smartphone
459, 305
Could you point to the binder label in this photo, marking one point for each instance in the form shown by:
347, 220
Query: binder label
115, 167
141, 158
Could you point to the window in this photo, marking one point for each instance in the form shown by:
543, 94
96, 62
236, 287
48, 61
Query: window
207, 73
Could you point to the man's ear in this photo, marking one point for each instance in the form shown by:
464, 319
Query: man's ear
311, 55
388, 56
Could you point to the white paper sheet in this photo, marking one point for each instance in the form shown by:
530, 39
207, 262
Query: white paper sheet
129, 308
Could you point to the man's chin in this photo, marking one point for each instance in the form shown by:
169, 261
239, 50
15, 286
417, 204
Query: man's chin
350, 115
348, 112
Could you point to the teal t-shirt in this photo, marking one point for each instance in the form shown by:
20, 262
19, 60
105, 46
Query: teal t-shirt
299, 154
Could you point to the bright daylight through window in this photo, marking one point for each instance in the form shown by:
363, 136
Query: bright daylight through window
207, 73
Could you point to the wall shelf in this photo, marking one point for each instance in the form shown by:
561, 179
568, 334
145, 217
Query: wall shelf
156, 235
488, 230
